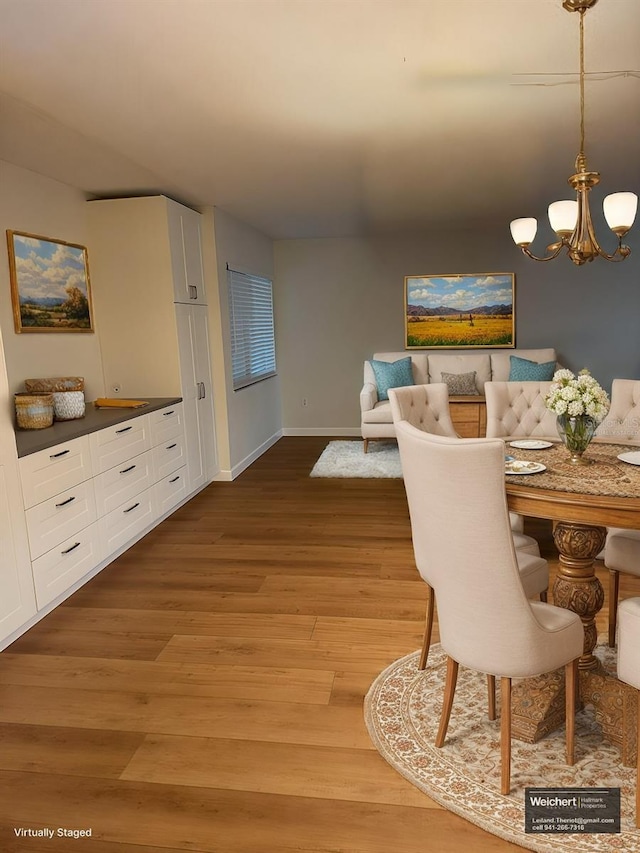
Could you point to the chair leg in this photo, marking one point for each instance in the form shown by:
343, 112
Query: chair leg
505, 735
447, 702
614, 584
426, 643
543, 596
491, 689
570, 683
366, 445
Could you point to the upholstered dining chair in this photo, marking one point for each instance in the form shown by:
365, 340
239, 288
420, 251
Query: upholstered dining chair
622, 424
426, 407
622, 548
621, 554
462, 540
629, 665
517, 410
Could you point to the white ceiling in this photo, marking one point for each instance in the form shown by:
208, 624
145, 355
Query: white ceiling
315, 118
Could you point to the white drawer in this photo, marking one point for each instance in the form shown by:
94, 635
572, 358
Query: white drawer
168, 456
48, 472
116, 444
122, 483
122, 524
58, 518
58, 569
171, 490
166, 424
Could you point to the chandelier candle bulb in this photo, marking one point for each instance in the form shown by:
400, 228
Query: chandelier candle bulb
563, 216
523, 231
620, 211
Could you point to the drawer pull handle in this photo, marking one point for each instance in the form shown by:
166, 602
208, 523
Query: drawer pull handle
124, 429
171, 446
131, 507
73, 548
58, 455
166, 414
126, 470
175, 479
68, 501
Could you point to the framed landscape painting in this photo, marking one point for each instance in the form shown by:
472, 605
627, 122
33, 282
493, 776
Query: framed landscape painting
49, 284
467, 310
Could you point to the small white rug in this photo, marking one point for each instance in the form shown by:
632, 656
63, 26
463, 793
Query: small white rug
348, 459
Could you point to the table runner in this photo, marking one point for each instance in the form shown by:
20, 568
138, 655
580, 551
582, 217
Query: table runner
608, 475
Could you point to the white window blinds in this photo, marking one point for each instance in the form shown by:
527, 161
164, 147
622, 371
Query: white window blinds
253, 352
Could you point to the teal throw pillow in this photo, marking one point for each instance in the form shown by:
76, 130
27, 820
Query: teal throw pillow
523, 370
391, 374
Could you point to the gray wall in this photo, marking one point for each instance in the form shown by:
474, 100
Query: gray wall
340, 300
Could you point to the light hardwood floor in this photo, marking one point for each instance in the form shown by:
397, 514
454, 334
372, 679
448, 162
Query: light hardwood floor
205, 691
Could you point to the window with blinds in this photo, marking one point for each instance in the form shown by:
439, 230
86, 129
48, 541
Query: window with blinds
253, 350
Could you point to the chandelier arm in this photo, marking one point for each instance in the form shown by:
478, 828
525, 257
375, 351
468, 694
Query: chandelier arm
548, 257
621, 253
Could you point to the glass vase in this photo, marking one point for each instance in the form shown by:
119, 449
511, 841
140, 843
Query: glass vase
576, 434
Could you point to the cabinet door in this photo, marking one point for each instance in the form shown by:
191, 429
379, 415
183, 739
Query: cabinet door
195, 370
186, 254
17, 598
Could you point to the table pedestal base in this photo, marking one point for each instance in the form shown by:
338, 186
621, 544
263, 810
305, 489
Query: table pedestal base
538, 708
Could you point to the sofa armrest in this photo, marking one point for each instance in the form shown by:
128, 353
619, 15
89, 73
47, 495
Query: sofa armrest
368, 397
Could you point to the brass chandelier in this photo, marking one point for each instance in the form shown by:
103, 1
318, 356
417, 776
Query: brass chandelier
571, 220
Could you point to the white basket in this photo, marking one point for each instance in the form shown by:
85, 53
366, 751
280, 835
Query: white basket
68, 405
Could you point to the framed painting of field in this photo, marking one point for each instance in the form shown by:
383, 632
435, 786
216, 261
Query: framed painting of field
467, 310
50, 288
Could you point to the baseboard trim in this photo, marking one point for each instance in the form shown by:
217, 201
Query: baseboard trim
332, 431
236, 470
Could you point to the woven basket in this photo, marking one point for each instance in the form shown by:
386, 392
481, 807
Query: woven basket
34, 411
57, 383
68, 405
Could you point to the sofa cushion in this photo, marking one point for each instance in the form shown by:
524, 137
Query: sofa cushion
462, 363
461, 384
523, 370
501, 361
391, 374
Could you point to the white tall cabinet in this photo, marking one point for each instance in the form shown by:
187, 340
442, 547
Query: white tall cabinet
17, 595
145, 262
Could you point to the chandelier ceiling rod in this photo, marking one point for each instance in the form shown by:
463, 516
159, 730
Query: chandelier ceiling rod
571, 220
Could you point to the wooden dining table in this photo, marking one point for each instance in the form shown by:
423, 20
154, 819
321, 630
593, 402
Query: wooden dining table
582, 501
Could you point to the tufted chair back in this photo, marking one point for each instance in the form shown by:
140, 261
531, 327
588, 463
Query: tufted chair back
518, 409
425, 407
622, 424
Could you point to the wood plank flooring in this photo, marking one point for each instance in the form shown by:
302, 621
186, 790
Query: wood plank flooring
204, 692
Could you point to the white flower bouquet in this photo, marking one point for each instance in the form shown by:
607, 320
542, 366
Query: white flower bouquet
574, 396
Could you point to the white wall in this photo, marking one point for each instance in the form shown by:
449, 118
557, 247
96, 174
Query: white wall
340, 300
254, 416
38, 205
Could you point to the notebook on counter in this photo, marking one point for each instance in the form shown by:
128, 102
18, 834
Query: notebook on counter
117, 403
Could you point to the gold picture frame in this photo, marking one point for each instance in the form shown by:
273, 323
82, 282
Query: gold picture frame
50, 288
460, 311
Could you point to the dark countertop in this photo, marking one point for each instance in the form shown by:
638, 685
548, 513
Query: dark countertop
31, 440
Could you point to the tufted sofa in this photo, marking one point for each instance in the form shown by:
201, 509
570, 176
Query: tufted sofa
376, 418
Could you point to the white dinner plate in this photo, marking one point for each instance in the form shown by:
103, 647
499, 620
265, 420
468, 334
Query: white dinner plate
632, 457
520, 466
531, 444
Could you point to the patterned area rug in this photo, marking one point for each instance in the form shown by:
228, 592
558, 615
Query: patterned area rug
348, 459
402, 711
